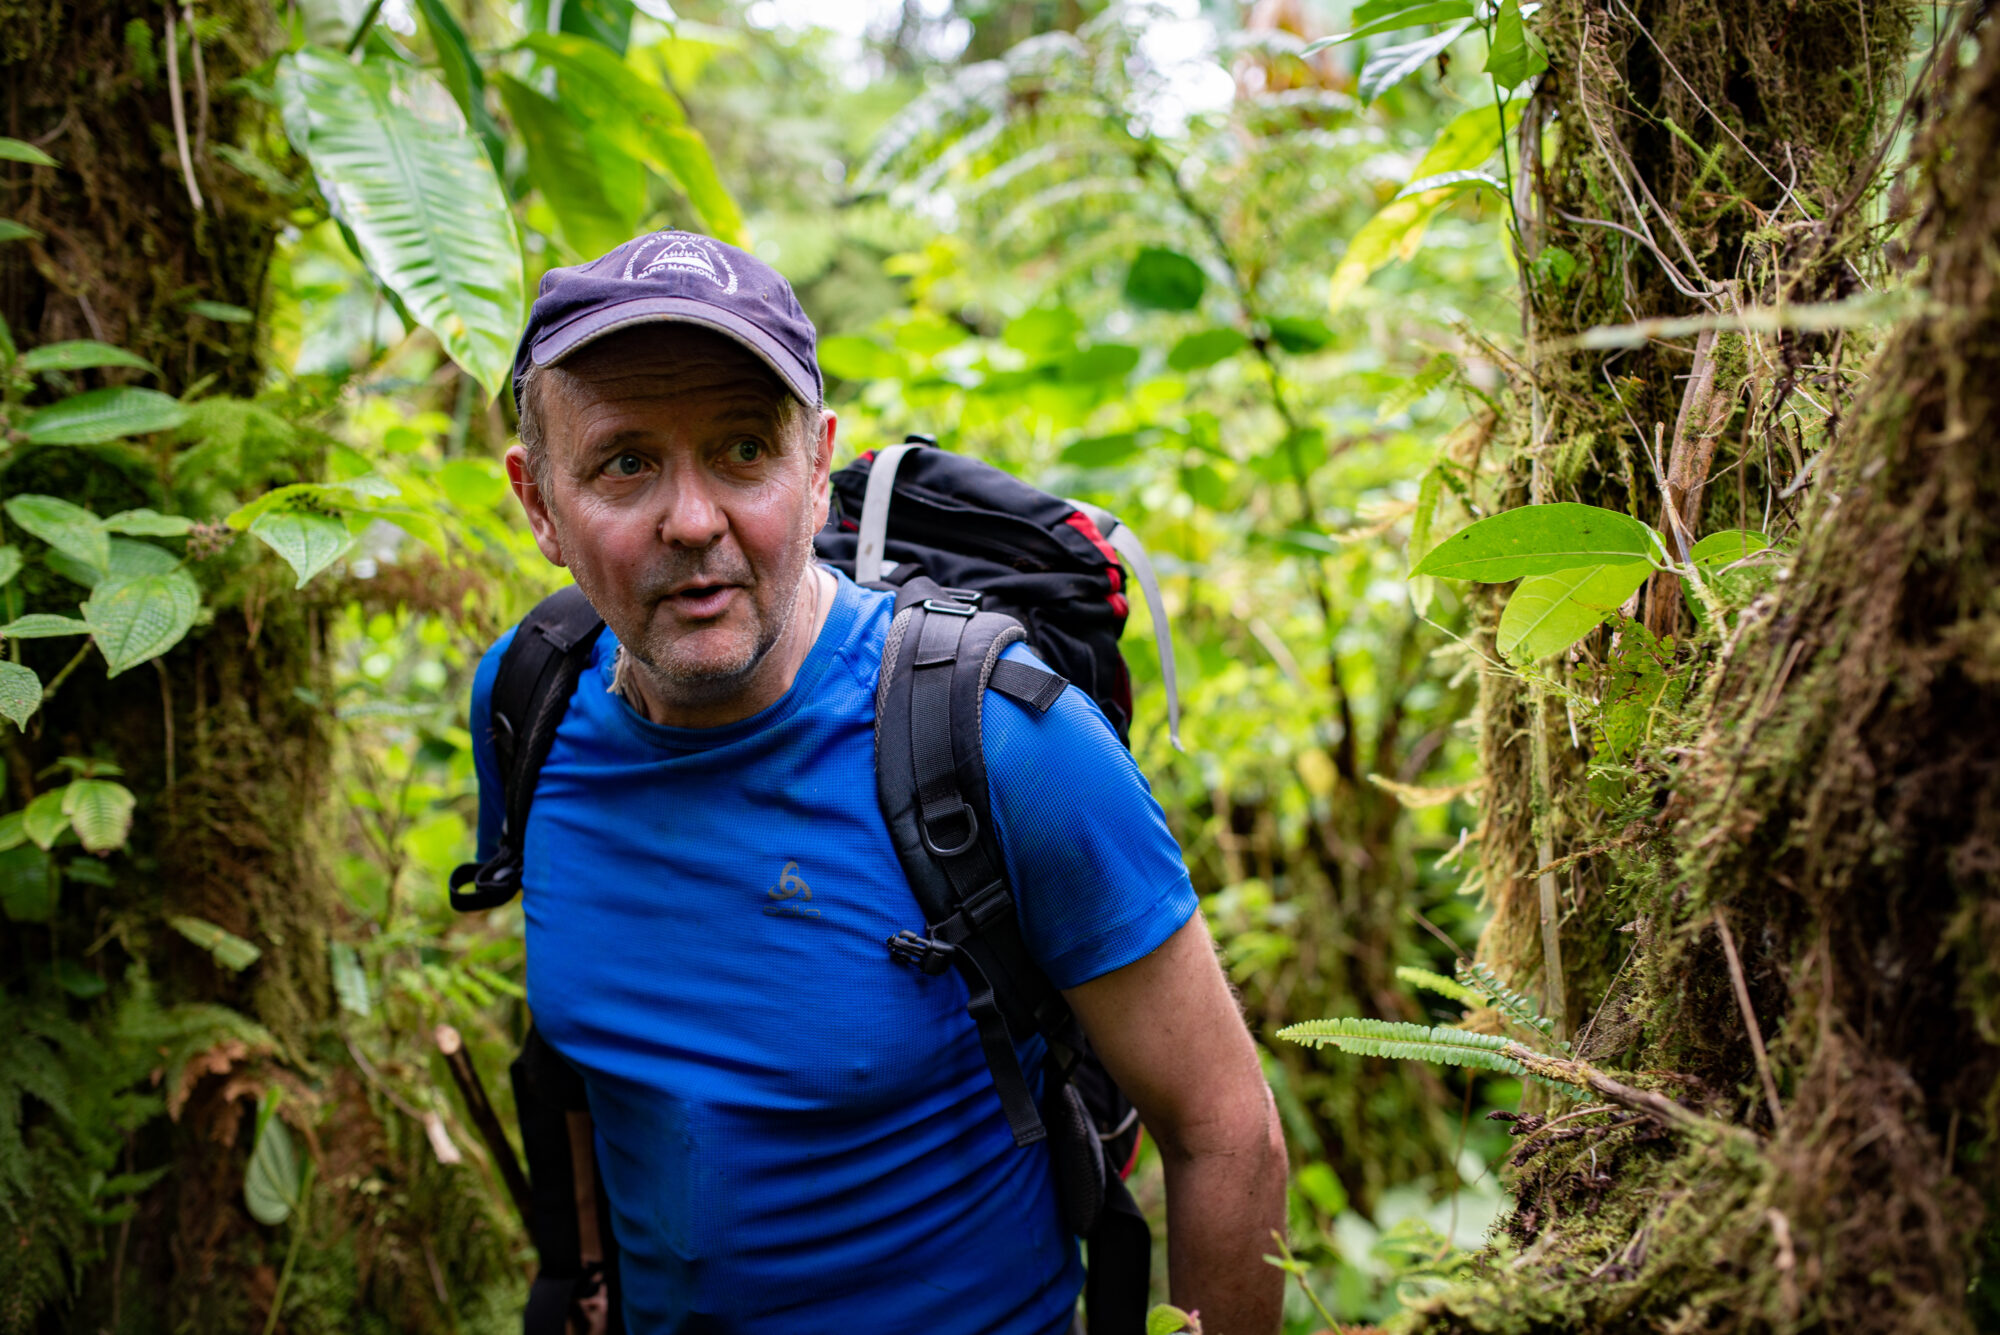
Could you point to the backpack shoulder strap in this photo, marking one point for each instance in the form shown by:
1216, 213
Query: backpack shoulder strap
942, 655
531, 692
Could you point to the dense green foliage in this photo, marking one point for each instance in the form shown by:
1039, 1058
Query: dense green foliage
1272, 330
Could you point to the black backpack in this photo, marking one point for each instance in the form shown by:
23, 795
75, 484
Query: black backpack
978, 560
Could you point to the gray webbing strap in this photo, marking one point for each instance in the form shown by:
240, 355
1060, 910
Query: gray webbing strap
1126, 543
875, 512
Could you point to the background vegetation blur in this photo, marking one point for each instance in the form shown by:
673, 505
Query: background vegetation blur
1163, 260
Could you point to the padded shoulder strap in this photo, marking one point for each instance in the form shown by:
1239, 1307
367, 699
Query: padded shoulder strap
942, 655
531, 693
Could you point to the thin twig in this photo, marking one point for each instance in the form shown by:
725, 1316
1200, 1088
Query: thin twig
200, 82
180, 112
1749, 1015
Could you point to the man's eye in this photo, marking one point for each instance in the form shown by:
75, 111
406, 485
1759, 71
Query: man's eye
625, 465
746, 451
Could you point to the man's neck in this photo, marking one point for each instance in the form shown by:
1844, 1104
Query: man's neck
639, 686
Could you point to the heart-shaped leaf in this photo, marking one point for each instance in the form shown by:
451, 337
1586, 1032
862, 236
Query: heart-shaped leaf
148, 524
308, 542
100, 812
231, 951
43, 819
104, 414
43, 626
1549, 613
1540, 540
271, 1182
81, 355
141, 618
68, 528
20, 693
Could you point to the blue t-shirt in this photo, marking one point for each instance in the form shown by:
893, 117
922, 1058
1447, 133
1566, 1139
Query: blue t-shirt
798, 1134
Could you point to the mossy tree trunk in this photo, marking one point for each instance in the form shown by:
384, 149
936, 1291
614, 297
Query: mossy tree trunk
1773, 864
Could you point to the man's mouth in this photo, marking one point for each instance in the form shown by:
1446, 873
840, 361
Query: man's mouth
700, 600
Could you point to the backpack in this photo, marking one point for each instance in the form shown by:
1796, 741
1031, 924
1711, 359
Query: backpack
979, 560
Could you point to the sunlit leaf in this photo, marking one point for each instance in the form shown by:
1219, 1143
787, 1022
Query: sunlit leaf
1540, 540
350, 980
130, 559
20, 693
231, 951
1458, 183
369, 493
1390, 65
308, 542
463, 76
1100, 361
1548, 613
16, 150
1043, 332
1720, 549
104, 414
144, 523
43, 820
1416, 16
1164, 280
81, 354
1206, 349
64, 526
418, 195
100, 812
139, 619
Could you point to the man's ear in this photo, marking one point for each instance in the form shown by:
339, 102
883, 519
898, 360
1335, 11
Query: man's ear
823, 468
537, 506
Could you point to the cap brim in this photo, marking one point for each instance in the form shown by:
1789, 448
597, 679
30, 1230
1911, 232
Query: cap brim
564, 340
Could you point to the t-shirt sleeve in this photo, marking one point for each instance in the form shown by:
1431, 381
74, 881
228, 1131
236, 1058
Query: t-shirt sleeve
1098, 879
492, 802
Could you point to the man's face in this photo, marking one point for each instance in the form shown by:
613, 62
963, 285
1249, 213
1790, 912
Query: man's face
685, 506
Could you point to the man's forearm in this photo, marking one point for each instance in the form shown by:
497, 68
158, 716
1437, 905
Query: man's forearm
1221, 1209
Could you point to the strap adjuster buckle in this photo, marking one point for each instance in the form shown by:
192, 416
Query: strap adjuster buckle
950, 609
928, 954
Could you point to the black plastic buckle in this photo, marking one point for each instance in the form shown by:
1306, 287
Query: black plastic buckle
930, 955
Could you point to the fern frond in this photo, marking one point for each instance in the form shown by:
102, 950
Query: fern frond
1409, 1042
1449, 988
1506, 1000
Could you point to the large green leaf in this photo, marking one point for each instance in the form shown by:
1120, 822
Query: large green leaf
1540, 540
104, 414
595, 188
67, 527
418, 195
308, 542
80, 355
1411, 16
1719, 549
1548, 613
138, 619
1205, 348
129, 560
100, 812
20, 693
144, 523
1516, 54
273, 1181
1164, 280
463, 76
643, 119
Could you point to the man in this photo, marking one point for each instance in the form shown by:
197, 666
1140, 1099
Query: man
796, 1135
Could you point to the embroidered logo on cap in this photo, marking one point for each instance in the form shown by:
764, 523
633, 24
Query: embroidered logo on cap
681, 252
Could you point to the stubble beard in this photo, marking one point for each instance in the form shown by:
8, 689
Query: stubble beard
692, 679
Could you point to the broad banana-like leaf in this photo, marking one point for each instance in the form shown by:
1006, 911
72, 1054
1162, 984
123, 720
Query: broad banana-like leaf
595, 189
642, 118
397, 165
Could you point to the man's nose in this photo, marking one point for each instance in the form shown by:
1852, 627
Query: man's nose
693, 518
